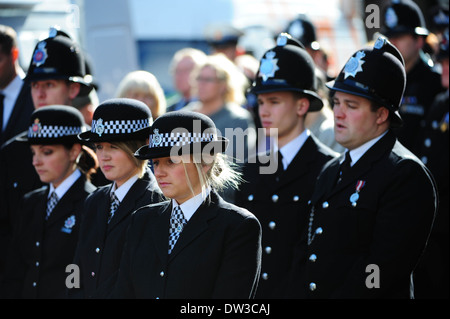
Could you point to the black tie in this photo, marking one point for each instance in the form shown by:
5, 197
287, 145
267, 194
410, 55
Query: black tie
280, 168
345, 166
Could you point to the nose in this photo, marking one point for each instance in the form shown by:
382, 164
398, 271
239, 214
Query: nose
36, 161
263, 110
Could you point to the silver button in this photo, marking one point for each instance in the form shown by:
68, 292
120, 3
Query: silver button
313, 258
34, 284
275, 198
268, 250
93, 274
97, 250
295, 198
37, 263
319, 230
250, 197
427, 142
37, 244
161, 273
272, 225
312, 286
325, 205
265, 276
424, 159
435, 125
15, 184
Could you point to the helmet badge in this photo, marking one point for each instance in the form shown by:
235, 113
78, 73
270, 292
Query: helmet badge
268, 66
354, 65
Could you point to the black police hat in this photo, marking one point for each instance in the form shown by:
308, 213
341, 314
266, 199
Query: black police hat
403, 17
60, 58
302, 29
54, 124
377, 74
288, 67
182, 132
119, 119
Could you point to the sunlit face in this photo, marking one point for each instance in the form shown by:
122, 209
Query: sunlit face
172, 179
115, 163
50, 92
281, 110
354, 121
209, 87
54, 163
181, 75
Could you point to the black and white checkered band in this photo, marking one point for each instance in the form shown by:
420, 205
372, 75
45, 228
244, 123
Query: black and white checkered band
52, 131
178, 138
118, 126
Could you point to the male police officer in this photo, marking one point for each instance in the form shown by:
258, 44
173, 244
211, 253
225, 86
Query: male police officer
285, 87
56, 75
371, 213
404, 26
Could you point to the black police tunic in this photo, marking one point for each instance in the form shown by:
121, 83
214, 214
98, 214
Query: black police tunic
422, 86
367, 246
281, 205
42, 249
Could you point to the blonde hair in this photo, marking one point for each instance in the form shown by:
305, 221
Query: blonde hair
146, 83
221, 175
131, 146
228, 72
197, 56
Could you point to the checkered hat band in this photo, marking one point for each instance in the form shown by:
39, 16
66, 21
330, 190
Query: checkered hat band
51, 131
179, 139
118, 126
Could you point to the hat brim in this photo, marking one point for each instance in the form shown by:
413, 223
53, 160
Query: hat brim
316, 102
396, 120
211, 148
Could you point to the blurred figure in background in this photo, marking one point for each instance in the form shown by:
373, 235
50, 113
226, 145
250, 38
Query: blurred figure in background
220, 89
224, 38
404, 25
15, 97
181, 66
143, 86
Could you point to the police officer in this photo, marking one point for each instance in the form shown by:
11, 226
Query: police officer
433, 275
371, 213
120, 127
56, 75
404, 26
285, 87
45, 240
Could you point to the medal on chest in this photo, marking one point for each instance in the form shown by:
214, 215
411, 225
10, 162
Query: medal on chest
355, 196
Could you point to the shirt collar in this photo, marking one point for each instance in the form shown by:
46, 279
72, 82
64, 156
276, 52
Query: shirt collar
358, 152
122, 191
65, 185
292, 148
190, 206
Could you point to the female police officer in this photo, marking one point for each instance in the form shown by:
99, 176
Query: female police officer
119, 128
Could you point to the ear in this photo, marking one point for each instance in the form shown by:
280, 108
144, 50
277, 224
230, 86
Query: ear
302, 106
75, 152
74, 89
382, 115
15, 54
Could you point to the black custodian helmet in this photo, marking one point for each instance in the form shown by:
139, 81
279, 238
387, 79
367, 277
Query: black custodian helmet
58, 58
288, 67
377, 74
403, 17
119, 119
